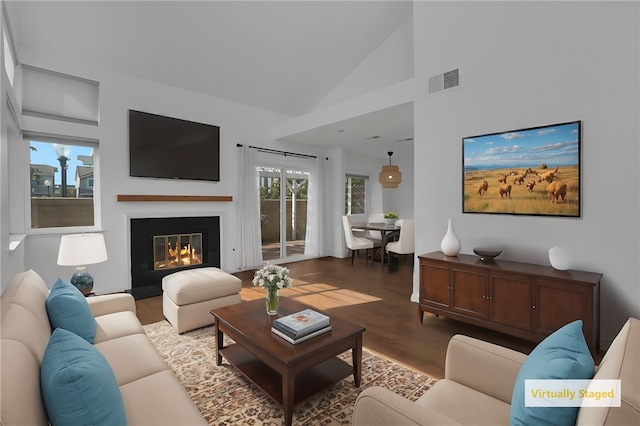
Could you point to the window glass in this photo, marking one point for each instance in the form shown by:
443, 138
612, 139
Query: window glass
61, 184
355, 194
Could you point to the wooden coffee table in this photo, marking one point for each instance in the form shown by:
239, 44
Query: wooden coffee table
295, 372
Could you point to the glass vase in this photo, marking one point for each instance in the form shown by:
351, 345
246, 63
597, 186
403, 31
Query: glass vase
273, 299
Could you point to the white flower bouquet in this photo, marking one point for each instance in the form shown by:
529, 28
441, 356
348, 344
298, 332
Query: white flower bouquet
272, 278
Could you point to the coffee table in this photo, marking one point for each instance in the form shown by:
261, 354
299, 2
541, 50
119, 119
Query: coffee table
288, 373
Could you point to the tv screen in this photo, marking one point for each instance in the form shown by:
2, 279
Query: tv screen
171, 148
532, 171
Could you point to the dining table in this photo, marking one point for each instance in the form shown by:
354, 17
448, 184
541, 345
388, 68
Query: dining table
384, 230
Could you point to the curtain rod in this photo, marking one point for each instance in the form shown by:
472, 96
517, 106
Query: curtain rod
275, 151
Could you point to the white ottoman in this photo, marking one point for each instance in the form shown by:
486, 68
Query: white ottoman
189, 295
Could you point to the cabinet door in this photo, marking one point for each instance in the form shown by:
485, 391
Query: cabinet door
469, 292
434, 285
558, 303
510, 300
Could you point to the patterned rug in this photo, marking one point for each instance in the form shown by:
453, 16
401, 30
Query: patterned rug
225, 397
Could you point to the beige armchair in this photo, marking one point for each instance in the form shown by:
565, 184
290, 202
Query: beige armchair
479, 381
476, 390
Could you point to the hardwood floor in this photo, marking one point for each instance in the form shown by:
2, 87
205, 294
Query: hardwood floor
375, 298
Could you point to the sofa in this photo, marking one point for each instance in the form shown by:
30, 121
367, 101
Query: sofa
479, 384
150, 393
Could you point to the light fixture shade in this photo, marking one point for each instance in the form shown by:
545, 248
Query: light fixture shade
390, 176
61, 150
82, 249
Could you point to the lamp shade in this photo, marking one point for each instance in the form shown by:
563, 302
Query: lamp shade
81, 249
390, 176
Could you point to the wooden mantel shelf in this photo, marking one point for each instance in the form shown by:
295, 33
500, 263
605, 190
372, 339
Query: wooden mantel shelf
128, 197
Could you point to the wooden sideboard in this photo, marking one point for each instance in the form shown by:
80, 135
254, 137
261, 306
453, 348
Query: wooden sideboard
521, 299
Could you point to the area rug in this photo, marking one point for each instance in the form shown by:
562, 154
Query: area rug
225, 397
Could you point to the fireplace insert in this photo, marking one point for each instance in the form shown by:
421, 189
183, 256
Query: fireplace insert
162, 246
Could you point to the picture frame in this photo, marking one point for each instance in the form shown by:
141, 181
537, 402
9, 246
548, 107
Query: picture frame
531, 171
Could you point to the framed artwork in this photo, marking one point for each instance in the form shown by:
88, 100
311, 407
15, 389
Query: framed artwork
532, 171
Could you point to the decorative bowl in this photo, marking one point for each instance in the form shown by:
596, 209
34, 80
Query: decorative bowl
487, 254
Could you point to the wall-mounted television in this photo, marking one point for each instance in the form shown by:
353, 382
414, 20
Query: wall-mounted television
171, 148
532, 171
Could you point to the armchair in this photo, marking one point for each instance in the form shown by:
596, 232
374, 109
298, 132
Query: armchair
479, 382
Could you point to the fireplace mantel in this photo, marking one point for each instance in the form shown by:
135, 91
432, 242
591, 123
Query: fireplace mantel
129, 197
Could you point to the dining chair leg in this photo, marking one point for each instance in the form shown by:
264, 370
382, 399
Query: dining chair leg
353, 253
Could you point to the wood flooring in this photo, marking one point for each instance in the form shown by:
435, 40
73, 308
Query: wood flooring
373, 297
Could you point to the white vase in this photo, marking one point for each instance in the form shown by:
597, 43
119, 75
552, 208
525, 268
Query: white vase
390, 222
559, 259
450, 244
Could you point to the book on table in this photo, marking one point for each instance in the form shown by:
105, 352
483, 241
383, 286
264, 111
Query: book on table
301, 323
299, 339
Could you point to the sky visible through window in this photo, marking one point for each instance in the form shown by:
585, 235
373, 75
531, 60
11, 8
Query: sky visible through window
44, 154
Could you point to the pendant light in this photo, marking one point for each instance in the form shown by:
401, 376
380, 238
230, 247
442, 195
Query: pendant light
390, 176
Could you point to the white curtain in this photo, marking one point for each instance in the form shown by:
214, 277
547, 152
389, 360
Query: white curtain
313, 240
250, 251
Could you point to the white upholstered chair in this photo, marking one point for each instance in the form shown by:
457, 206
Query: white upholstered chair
355, 243
376, 218
363, 219
376, 236
406, 241
358, 219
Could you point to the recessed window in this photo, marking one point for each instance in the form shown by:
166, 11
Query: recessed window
58, 96
9, 61
61, 183
355, 194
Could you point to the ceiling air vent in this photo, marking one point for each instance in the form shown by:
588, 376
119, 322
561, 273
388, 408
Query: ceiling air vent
445, 81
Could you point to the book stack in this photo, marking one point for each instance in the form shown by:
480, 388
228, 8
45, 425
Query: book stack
301, 326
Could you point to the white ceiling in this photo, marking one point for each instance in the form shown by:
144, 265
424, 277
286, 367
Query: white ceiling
272, 55
373, 135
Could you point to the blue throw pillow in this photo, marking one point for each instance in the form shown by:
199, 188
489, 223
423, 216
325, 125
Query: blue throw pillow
562, 355
77, 384
68, 308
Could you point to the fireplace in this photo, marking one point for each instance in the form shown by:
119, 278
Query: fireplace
162, 246
174, 251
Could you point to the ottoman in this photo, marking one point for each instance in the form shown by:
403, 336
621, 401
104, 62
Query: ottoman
188, 296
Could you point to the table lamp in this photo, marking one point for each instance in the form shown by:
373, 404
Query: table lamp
80, 250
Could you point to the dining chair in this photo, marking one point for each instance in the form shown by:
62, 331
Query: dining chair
376, 217
376, 236
363, 219
354, 221
406, 240
355, 244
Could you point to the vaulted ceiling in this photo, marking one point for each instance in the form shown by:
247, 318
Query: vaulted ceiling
281, 56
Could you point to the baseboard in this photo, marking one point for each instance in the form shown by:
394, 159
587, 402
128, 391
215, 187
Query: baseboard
144, 292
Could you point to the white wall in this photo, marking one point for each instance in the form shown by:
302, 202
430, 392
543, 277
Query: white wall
11, 260
239, 124
390, 63
400, 199
524, 64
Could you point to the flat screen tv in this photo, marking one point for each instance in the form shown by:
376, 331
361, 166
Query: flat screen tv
532, 171
171, 148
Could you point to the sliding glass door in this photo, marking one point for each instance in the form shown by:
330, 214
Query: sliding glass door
284, 202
